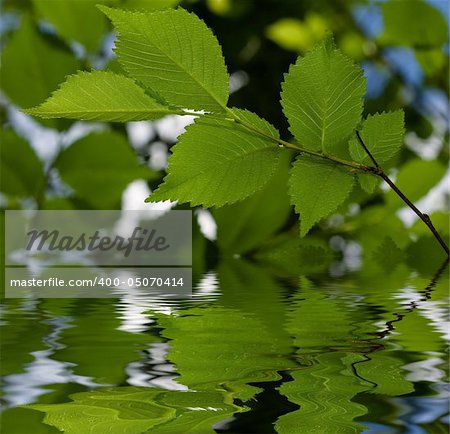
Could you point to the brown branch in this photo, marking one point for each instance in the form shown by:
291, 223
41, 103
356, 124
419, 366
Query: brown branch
377, 170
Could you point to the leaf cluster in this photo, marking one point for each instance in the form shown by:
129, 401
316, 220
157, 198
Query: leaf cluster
174, 65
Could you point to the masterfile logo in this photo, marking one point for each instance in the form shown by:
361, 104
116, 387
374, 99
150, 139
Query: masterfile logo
105, 238
140, 239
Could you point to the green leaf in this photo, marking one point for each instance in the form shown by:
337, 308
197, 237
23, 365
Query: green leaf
175, 54
197, 412
294, 34
218, 161
388, 255
29, 59
440, 221
150, 5
100, 96
22, 173
99, 167
413, 22
324, 385
383, 135
76, 20
260, 216
130, 410
317, 188
415, 179
297, 256
323, 98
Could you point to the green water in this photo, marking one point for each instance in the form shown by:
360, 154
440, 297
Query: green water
253, 351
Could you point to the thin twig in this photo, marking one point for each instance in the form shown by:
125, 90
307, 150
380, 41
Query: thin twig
361, 141
351, 164
377, 170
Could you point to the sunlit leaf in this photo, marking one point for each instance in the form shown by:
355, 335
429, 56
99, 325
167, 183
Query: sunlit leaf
76, 20
175, 54
413, 22
297, 35
149, 5
323, 98
388, 254
218, 162
100, 96
29, 58
317, 188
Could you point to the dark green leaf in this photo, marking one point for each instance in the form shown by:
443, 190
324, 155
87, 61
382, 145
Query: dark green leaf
323, 98
22, 173
76, 20
29, 58
389, 255
99, 167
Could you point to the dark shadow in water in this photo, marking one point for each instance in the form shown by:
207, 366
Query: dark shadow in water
265, 409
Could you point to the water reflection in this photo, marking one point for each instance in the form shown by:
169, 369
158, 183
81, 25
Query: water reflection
362, 353
27, 387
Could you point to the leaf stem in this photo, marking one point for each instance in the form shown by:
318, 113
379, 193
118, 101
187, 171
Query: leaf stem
374, 170
352, 164
377, 170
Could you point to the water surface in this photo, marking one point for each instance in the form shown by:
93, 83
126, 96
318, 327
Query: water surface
253, 351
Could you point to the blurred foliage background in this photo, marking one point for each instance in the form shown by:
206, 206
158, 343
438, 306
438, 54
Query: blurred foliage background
401, 45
